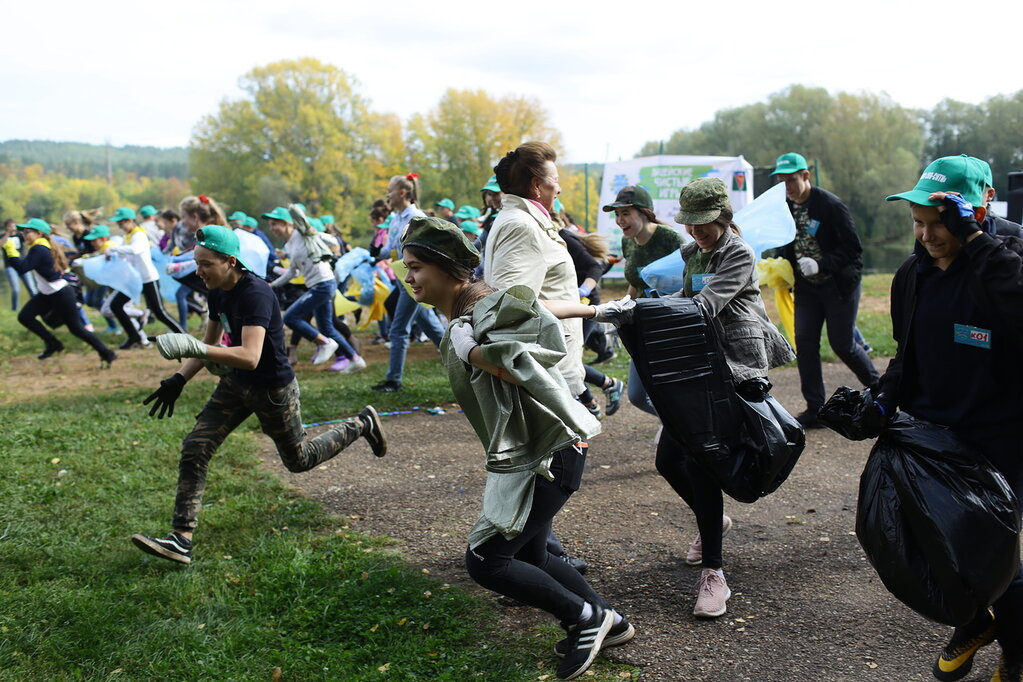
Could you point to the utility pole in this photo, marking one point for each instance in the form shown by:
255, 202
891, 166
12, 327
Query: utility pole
110, 168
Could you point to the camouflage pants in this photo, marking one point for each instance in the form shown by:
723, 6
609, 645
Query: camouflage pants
279, 414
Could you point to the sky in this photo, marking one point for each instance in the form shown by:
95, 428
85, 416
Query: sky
611, 76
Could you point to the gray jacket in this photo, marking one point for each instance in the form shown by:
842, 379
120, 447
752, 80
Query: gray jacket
752, 344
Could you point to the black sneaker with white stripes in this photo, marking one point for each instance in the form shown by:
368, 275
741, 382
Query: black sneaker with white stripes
374, 434
620, 633
584, 641
174, 547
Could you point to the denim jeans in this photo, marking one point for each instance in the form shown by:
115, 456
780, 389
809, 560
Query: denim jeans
318, 300
405, 312
15, 284
637, 394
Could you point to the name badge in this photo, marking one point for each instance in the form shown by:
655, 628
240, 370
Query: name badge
973, 336
700, 281
812, 227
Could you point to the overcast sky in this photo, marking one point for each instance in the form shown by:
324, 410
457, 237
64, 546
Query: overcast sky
612, 76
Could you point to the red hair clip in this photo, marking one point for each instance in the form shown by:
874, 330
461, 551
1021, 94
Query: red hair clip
204, 199
412, 176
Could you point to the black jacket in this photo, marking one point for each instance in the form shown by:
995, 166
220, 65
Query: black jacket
998, 225
841, 252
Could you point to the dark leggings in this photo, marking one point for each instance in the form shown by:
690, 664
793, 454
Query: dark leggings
522, 568
65, 305
155, 305
698, 489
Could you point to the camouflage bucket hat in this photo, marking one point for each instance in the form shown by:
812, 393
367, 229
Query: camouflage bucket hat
701, 201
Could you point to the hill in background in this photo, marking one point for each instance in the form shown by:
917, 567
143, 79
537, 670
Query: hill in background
80, 160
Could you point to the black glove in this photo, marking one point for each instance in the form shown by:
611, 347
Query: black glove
165, 396
873, 416
958, 217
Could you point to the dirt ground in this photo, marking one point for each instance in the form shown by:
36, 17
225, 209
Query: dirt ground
806, 604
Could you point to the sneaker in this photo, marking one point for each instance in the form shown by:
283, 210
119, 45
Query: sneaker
594, 409
324, 352
1008, 672
112, 330
374, 434
694, 556
174, 547
584, 641
107, 360
808, 419
340, 365
387, 386
51, 350
618, 635
712, 594
575, 562
956, 658
356, 364
614, 394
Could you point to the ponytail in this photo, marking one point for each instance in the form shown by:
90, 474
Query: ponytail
205, 208
410, 183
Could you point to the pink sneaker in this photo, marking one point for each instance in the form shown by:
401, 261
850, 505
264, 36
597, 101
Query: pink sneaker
340, 365
694, 556
712, 594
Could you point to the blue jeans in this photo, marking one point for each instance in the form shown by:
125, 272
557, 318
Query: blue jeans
405, 312
637, 394
181, 298
12, 281
318, 300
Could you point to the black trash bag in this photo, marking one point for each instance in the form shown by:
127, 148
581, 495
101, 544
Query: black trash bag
937, 521
748, 446
844, 413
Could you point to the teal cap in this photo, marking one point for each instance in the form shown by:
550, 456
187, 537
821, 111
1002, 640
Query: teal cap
985, 167
491, 185
471, 227
959, 174
249, 221
35, 224
789, 163
148, 210
222, 240
123, 213
558, 206
327, 219
446, 203
279, 213
96, 232
238, 216
317, 224
467, 212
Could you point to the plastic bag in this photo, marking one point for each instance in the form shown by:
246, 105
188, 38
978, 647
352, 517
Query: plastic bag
749, 447
665, 275
844, 413
766, 222
938, 523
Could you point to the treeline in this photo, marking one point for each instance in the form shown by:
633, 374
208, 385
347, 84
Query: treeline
864, 146
80, 160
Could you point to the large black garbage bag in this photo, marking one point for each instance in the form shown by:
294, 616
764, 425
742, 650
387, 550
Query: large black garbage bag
937, 521
748, 446
844, 412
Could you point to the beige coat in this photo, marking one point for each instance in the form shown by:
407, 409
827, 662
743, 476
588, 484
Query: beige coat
524, 247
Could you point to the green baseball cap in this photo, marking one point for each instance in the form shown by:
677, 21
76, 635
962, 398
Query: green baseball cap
632, 195
467, 213
123, 213
471, 227
985, 167
948, 174
96, 232
701, 201
327, 219
237, 216
558, 206
446, 203
317, 224
491, 185
148, 210
788, 163
250, 222
222, 240
441, 237
279, 213
35, 224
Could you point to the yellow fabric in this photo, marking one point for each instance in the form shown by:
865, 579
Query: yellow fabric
377, 310
44, 241
398, 266
137, 228
343, 306
10, 249
777, 274
297, 279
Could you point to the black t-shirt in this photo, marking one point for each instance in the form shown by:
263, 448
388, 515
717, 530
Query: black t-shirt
252, 303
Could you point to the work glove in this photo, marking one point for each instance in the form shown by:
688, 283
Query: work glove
958, 217
462, 340
584, 291
616, 312
177, 346
808, 266
165, 396
10, 249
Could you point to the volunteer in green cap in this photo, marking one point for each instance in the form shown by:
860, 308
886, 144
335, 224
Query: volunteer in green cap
55, 295
957, 317
255, 378
721, 275
826, 259
14, 278
534, 461
994, 224
148, 215
492, 200
446, 210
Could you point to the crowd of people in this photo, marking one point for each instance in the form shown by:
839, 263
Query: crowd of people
509, 294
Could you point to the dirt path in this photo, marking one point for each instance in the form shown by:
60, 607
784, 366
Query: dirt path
806, 604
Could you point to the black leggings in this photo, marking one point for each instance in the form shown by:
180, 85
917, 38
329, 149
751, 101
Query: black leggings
65, 305
698, 489
522, 568
155, 304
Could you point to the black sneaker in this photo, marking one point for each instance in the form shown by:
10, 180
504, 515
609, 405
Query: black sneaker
614, 394
50, 351
107, 360
808, 419
618, 635
575, 562
388, 386
584, 641
1008, 672
374, 434
174, 547
956, 658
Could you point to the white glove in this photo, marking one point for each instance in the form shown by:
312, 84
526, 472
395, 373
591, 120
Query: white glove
462, 340
615, 312
808, 266
177, 346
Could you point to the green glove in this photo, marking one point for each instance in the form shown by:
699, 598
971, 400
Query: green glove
10, 249
177, 346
